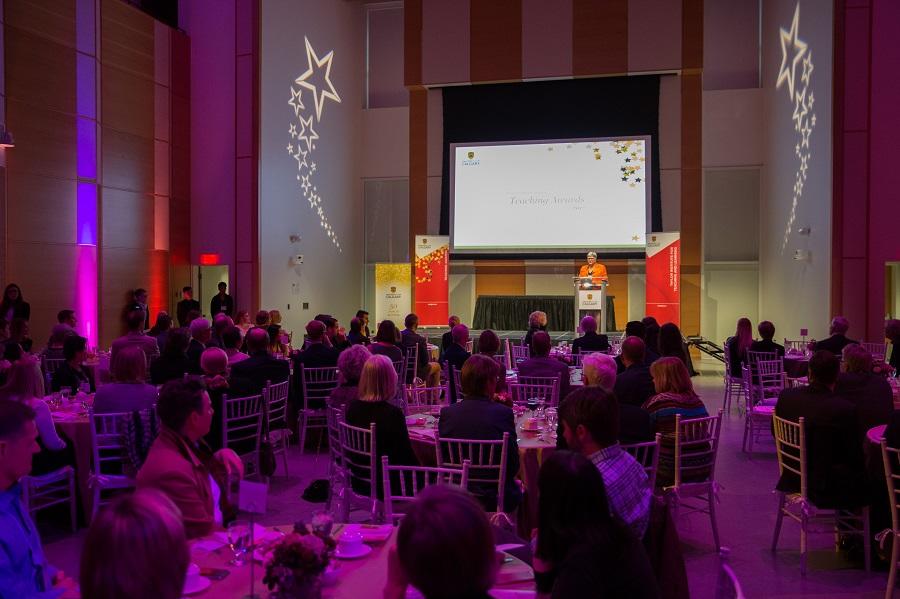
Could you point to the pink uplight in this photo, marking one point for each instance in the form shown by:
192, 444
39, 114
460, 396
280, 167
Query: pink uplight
86, 292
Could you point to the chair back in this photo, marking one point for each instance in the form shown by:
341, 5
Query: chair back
275, 403
790, 446
890, 456
487, 458
424, 397
242, 424
470, 345
754, 357
647, 455
333, 417
317, 384
770, 375
109, 443
578, 359
878, 350
519, 354
398, 368
358, 454
50, 365
696, 447
795, 345
530, 387
410, 364
403, 483
453, 379
727, 356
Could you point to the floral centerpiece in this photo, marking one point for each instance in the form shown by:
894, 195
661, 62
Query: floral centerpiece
294, 568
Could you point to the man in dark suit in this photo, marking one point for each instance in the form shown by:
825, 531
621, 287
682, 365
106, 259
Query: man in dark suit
634, 385
139, 302
201, 333
318, 354
837, 476
428, 371
333, 332
363, 317
838, 340
591, 340
221, 303
542, 365
447, 338
477, 417
456, 355
636, 328
765, 344
187, 305
869, 392
260, 367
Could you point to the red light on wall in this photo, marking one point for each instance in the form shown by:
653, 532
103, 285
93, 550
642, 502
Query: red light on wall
209, 259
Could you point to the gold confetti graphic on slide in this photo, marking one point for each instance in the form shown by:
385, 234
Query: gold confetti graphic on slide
631, 153
426, 262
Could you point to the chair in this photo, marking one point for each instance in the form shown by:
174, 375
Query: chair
878, 350
727, 586
578, 359
410, 364
790, 445
487, 458
696, 447
276, 430
543, 388
734, 386
470, 345
111, 468
49, 366
316, 385
453, 379
890, 456
242, 427
424, 397
796, 345
760, 398
358, 456
413, 479
519, 354
336, 471
45, 490
647, 455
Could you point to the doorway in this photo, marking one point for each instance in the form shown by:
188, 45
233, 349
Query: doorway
208, 279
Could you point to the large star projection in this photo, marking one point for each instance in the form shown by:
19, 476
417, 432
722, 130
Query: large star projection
316, 81
796, 58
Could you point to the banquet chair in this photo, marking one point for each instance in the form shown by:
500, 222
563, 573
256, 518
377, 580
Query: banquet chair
761, 395
487, 458
545, 388
453, 378
53, 488
111, 466
242, 427
578, 359
470, 345
336, 472
790, 445
411, 480
316, 385
519, 354
878, 350
647, 455
734, 386
359, 458
424, 397
398, 368
696, 448
410, 364
276, 431
890, 456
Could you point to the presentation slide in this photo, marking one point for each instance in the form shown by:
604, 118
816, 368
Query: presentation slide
541, 196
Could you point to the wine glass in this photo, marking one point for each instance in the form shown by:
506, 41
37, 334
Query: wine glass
552, 418
532, 404
239, 541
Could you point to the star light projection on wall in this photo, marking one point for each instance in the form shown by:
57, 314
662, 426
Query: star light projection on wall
795, 53
317, 81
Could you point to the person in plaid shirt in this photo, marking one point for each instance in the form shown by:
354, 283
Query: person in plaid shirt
590, 419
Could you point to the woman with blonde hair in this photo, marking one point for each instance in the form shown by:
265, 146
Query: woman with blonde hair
129, 390
242, 322
738, 345
136, 548
377, 386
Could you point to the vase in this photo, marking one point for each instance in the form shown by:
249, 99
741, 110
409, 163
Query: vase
309, 589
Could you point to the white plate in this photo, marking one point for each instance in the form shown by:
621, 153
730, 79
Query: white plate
198, 584
363, 551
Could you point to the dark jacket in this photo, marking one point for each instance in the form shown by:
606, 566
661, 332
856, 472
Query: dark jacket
393, 352
391, 436
835, 344
481, 418
767, 345
194, 352
316, 355
590, 342
20, 310
410, 338
634, 385
528, 335
547, 367
66, 376
872, 396
456, 355
634, 425
834, 453
143, 307
736, 357
255, 371
219, 305
183, 308
168, 367
650, 357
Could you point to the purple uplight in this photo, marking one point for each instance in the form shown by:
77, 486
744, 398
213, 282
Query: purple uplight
86, 233
86, 292
87, 148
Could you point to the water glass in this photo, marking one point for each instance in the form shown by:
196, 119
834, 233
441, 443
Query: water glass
322, 523
64, 395
239, 541
552, 415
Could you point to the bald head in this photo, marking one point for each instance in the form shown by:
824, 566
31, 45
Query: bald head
839, 325
315, 330
257, 340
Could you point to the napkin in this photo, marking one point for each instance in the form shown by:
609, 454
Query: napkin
371, 533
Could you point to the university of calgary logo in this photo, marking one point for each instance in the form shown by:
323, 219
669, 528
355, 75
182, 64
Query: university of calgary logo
393, 289
471, 155
424, 241
590, 296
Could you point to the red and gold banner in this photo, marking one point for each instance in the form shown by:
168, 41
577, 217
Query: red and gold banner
664, 277
432, 268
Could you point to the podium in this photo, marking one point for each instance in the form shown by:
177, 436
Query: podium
590, 299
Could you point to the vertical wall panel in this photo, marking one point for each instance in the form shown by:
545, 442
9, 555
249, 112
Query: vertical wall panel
445, 49
412, 42
496, 40
654, 35
546, 38
418, 165
599, 37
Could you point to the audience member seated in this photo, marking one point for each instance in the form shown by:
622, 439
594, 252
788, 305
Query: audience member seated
537, 321
262, 319
24, 384
318, 353
350, 366
542, 365
582, 551
488, 343
835, 464
445, 548
18, 341
335, 333
70, 373
838, 339
135, 336
377, 386
363, 316
54, 349
590, 418
635, 328
428, 371
356, 335
765, 344
136, 548
651, 333
201, 334
277, 346
24, 571
214, 363
129, 390
634, 423
220, 324
671, 344
161, 329
232, 340
447, 338
456, 355
870, 393
181, 464
675, 396
892, 332
242, 322
634, 385
598, 370
478, 417
260, 368
14, 305
591, 341
738, 345
387, 341
173, 363
67, 317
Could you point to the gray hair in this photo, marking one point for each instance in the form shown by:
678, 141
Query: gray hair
199, 324
592, 254
537, 318
589, 324
839, 325
350, 363
599, 370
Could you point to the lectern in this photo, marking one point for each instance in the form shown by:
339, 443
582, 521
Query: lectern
590, 299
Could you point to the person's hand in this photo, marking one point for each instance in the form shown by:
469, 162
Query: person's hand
231, 461
63, 583
395, 588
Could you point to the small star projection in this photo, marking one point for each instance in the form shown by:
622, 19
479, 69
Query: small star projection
317, 81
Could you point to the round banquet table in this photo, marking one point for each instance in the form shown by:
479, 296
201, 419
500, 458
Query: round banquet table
796, 366
364, 577
74, 424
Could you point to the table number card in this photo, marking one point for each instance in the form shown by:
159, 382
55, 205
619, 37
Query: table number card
252, 497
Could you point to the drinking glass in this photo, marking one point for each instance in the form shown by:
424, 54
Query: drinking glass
322, 523
239, 541
64, 394
532, 403
552, 416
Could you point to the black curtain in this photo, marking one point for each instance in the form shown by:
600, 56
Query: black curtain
570, 108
